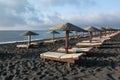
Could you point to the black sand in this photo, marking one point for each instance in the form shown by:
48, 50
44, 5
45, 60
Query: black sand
25, 64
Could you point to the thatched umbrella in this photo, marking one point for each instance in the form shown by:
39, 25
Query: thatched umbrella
91, 29
53, 32
103, 29
109, 29
70, 32
29, 34
82, 30
66, 27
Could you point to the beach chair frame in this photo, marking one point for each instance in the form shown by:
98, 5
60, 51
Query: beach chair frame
68, 60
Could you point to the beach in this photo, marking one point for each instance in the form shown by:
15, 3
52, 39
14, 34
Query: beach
25, 64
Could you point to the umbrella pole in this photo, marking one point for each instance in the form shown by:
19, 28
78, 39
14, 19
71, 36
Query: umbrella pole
76, 33
53, 37
90, 37
105, 33
83, 34
67, 41
29, 40
100, 34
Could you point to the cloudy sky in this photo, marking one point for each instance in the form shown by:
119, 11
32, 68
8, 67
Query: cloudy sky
43, 14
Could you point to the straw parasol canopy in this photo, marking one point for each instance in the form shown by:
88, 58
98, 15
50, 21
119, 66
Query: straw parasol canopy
29, 34
80, 30
66, 27
103, 29
109, 29
91, 29
53, 32
70, 32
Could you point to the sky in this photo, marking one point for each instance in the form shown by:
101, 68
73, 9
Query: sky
43, 14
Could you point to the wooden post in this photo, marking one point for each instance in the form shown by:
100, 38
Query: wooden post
100, 34
53, 37
29, 40
68, 64
105, 33
76, 34
67, 41
91, 37
83, 34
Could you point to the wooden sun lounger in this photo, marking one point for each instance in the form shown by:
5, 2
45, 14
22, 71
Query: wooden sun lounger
36, 43
83, 44
75, 50
49, 41
32, 45
106, 39
110, 46
23, 46
93, 41
57, 56
84, 50
111, 43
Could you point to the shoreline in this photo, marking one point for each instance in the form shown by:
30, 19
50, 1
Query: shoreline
33, 40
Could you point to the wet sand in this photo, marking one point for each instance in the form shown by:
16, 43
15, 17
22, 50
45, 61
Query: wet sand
25, 64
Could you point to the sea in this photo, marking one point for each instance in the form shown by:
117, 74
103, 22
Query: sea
12, 36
